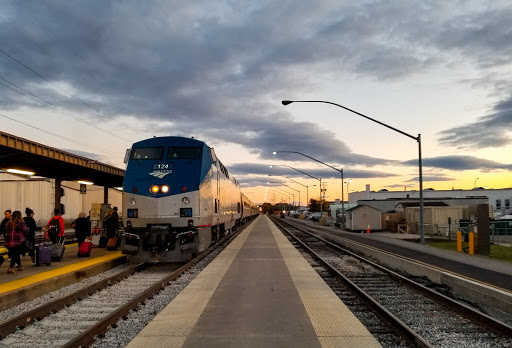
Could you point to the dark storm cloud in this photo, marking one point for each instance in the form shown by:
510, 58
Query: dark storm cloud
488, 131
460, 163
278, 171
217, 69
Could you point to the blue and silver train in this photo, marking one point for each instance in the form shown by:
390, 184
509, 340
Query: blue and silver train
178, 199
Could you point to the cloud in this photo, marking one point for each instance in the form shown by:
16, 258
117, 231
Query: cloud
460, 163
217, 69
488, 131
276, 172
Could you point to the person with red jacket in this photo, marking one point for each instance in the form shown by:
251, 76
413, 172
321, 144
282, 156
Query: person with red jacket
59, 221
15, 234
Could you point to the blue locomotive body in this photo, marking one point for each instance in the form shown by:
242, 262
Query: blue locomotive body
178, 199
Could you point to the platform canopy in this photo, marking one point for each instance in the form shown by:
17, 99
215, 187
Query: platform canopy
22, 154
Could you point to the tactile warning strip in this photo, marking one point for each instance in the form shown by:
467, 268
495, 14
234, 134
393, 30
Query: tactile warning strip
334, 323
172, 325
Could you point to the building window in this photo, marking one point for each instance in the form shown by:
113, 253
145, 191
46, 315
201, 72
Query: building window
498, 204
507, 203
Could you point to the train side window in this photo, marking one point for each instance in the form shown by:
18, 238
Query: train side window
127, 155
215, 205
238, 206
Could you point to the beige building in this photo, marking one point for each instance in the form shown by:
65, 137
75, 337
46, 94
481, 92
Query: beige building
362, 216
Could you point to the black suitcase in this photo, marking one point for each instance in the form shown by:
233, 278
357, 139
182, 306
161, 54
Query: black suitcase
58, 250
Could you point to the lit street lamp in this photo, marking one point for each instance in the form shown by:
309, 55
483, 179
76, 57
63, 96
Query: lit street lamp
291, 188
418, 140
306, 186
336, 169
280, 196
311, 176
290, 193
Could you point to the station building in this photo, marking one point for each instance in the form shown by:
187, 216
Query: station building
38, 193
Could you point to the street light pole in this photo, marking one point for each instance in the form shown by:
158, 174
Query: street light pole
348, 189
418, 139
291, 188
319, 179
306, 186
293, 194
328, 165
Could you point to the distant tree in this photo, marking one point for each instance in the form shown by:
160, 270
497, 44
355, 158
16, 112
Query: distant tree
314, 205
267, 207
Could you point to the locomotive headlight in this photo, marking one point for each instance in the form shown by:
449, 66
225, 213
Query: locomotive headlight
154, 189
165, 188
185, 200
131, 201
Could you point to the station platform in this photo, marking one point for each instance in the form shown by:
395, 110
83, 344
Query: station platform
34, 281
259, 292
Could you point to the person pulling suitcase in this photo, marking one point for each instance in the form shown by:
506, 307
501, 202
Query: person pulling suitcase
58, 250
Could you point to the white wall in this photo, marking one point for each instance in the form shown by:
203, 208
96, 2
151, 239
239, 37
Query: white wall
17, 193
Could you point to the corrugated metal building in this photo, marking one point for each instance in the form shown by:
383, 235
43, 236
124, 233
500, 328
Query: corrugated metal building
438, 220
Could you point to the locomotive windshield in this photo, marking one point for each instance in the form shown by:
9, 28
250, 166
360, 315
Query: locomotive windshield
184, 153
147, 153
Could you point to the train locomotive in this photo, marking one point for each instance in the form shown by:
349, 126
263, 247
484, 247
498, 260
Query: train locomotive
178, 199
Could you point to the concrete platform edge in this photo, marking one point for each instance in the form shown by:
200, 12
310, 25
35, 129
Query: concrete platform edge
27, 293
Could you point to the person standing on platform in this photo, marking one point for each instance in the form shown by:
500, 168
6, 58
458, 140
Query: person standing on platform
82, 228
15, 234
8, 216
55, 227
31, 237
111, 223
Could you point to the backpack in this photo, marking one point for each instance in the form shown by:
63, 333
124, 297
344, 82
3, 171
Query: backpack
54, 228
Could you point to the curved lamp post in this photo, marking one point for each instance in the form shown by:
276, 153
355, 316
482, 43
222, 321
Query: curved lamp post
348, 188
280, 196
284, 165
291, 188
306, 186
336, 169
278, 188
418, 140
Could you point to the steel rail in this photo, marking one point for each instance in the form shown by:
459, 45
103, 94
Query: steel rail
87, 337
21, 321
466, 311
404, 331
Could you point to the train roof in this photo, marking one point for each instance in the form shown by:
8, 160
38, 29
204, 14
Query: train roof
169, 139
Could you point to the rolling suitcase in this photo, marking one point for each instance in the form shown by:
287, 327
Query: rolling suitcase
85, 248
44, 254
58, 250
112, 244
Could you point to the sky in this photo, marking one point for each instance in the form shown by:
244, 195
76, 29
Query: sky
92, 77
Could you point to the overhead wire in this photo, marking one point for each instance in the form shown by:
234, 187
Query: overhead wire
57, 135
41, 76
55, 107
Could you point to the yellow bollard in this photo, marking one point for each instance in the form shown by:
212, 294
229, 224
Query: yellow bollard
459, 241
471, 243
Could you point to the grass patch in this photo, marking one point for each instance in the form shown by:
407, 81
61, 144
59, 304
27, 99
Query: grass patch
498, 252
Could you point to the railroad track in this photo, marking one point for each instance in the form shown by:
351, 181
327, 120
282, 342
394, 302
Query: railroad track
77, 319
410, 313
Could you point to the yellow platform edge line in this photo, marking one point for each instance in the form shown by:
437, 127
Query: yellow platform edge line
16, 284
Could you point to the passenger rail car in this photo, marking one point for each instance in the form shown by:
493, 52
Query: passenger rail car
178, 199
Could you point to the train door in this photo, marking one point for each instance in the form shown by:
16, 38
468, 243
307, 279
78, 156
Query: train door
216, 197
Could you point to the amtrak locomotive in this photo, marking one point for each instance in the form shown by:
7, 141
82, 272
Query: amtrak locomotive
178, 199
